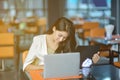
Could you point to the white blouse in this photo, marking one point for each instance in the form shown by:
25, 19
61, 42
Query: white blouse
37, 50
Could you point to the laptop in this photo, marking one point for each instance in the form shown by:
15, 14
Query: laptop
87, 52
61, 65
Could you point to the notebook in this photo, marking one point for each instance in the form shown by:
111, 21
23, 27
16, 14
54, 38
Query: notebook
86, 52
61, 65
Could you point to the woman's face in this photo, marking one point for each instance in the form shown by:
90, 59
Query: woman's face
59, 36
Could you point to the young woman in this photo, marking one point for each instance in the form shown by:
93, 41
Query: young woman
59, 38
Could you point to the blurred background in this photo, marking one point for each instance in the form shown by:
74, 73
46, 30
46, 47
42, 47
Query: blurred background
27, 18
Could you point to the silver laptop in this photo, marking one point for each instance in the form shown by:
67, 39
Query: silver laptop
61, 65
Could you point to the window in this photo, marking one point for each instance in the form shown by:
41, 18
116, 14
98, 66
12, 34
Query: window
23, 8
96, 10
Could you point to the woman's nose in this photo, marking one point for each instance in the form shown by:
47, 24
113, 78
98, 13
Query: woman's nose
61, 39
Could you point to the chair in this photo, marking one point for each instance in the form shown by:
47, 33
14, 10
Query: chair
4, 27
97, 32
26, 74
7, 47
31, 26
117, 64
24, 54
87, 26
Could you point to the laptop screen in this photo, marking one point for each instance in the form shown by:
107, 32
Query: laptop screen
61, 65
86, 52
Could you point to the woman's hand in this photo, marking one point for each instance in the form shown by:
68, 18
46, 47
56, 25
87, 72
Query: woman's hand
96, 57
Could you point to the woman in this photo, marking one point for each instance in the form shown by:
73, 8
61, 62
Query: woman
59, 38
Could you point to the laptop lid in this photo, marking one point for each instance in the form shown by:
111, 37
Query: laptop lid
61, 65
86, 52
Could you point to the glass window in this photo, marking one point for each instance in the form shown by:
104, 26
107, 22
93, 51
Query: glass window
89, 9
71, 4
23, 8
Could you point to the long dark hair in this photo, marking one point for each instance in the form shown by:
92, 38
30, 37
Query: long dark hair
64, 24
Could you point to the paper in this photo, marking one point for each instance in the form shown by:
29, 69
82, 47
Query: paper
87, 63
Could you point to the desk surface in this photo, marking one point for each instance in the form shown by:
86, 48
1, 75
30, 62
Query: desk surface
105, 72
99, 72
115, 40
36, 75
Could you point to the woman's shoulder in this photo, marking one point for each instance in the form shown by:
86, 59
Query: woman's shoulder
39, 37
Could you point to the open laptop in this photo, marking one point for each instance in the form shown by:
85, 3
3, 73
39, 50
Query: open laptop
61, 65
87, 52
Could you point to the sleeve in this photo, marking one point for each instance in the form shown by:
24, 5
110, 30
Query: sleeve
103, 60
32, 53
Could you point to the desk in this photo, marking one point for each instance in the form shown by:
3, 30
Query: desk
105, 72
110, 73
115, 40
36, 75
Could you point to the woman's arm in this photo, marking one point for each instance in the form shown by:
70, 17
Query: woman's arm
31, 56
33, 67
